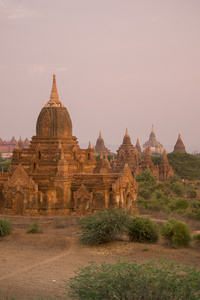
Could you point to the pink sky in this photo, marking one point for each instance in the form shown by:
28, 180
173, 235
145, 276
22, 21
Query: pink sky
118, 64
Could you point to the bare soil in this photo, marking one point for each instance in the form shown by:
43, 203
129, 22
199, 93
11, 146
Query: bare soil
34, 265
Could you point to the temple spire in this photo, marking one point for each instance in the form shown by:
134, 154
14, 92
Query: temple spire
89, 146
54, 98
152, 129
126, 132
100, 137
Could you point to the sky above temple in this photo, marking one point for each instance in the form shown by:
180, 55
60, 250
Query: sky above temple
118, 63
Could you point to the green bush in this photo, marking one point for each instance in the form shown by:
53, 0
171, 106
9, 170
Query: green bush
35, 228
4, 165
158, 201
177, 233
196, 238
177, 204
145, 193
143, 230
195, 209
102, 226
5, 227
146, 177
178, 189
130, 281
192, 193
174, 179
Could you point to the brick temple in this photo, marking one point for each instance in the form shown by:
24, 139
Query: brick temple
55, 176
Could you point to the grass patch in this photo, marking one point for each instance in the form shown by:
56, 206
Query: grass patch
35, 228
5, 227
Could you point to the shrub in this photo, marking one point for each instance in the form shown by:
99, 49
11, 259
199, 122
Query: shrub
102, 226
146, 177
157, 201
195, 208
129, 280
143, 230
5, 227
178, 189
192, 193
35, 228
145, 193
196, 238
174, 179
178, 203
177, 233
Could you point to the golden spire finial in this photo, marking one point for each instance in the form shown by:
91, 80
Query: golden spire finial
100, 137
126, 131
179, 136
152, 128
54, 98
89, 146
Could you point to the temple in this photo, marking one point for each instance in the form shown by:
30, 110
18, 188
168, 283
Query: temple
179, 146
128, 154
153, 144
55, 176
7, 147
165, 169
138, 147
100, 146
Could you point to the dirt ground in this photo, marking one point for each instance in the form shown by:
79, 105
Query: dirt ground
34, 265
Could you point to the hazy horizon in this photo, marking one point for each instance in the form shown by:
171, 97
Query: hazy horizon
118, 64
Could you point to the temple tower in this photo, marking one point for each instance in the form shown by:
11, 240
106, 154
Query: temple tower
165, 169
153, 144
127, 154
179, 146
100, 146
138, 147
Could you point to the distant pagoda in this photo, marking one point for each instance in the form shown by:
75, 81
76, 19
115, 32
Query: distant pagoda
127, 154
100, 146
153, 144
179, 146
138, 147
